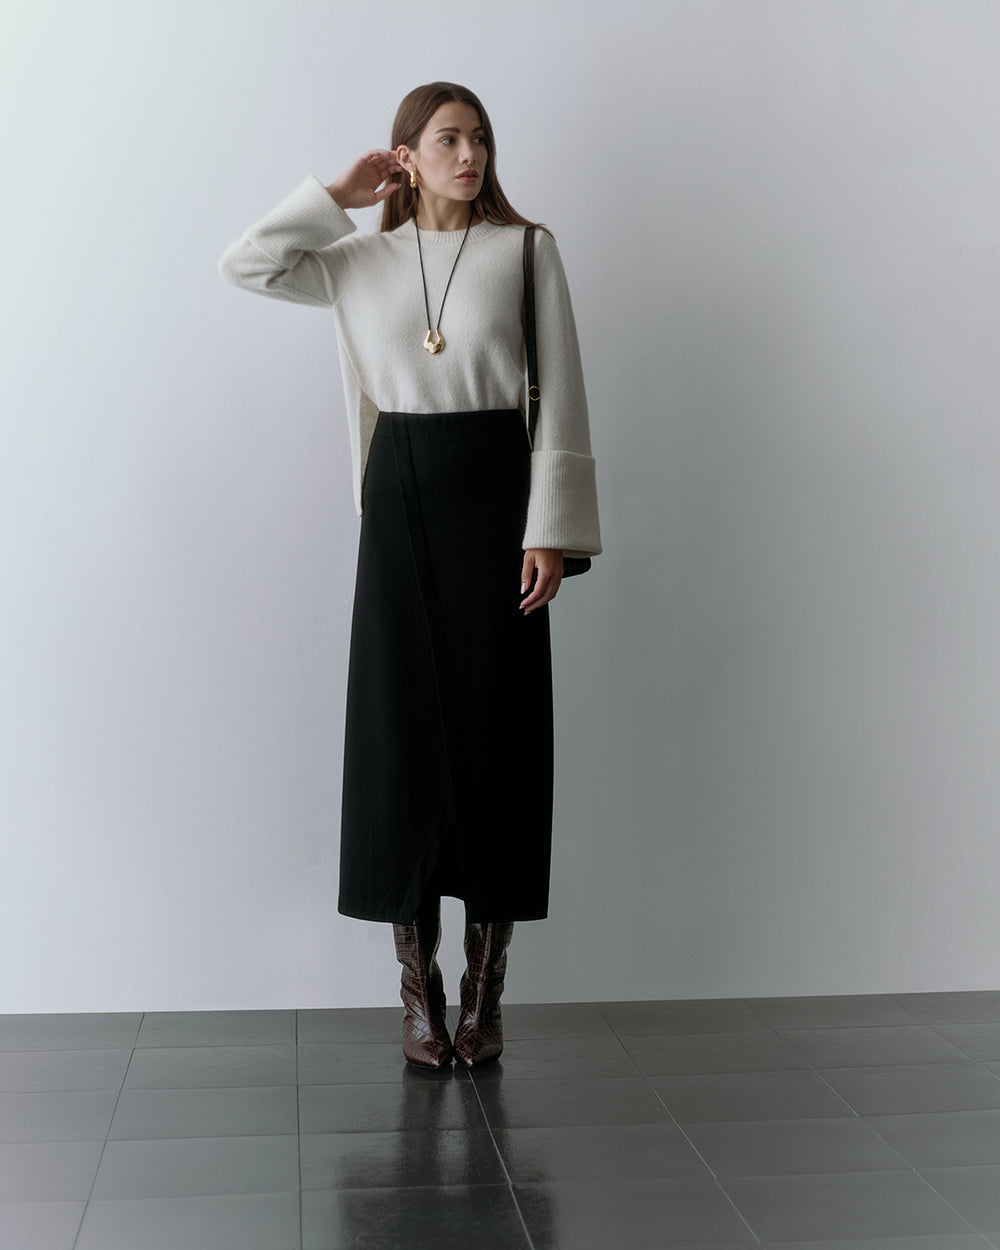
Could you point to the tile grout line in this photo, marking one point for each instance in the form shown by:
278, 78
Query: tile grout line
749, 1003
866, 1119
114, 1112
680, 1129
809, 1067
298, 1128
941, 1196
503, 1163
933, 1027
857, 1115
987, 1239
863, 1119
860, 1115
983, 1062
925, 1063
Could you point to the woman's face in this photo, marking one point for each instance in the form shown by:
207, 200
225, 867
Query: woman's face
451, 155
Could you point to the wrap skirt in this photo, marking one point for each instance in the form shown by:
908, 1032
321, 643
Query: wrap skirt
448, 744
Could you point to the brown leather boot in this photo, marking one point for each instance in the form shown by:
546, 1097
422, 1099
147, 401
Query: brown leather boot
479, 1036
425, 1035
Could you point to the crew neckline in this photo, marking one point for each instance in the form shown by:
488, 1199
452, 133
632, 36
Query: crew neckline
408, 230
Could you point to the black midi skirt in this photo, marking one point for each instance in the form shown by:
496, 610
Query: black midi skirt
448, 746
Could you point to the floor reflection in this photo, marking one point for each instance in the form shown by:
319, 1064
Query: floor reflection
435, 1178
634, 1124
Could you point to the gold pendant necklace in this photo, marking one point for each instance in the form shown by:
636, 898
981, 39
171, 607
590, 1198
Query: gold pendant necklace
434, 342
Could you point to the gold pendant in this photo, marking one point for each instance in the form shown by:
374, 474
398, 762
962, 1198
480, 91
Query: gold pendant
434, 342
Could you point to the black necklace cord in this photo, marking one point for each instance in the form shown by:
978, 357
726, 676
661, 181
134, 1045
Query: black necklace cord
423, 278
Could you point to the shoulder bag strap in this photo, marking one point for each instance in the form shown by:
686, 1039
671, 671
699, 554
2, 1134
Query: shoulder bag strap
572, 565
534, 395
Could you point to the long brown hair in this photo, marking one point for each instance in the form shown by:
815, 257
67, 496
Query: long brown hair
415, 111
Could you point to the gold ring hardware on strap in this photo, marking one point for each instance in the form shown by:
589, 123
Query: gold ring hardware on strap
537, 394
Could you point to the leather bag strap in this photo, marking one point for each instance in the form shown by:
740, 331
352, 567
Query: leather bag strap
572, 565
534, 395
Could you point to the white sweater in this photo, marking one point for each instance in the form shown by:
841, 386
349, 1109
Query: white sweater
301, 251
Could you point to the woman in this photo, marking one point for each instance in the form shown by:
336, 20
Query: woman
465, 525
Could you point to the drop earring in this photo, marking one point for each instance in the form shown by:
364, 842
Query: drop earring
413, 177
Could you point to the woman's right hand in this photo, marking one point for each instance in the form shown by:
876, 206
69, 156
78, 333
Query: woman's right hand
360, 186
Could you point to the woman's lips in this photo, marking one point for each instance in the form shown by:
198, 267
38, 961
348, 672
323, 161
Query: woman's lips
467, 177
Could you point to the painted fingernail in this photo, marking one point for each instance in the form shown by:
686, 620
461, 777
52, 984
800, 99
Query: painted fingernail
524, 587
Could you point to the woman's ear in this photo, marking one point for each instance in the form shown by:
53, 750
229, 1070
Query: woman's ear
405, 157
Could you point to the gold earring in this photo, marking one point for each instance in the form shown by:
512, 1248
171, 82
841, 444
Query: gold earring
413, 177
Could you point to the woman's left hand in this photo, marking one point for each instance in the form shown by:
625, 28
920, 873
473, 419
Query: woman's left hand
547, 563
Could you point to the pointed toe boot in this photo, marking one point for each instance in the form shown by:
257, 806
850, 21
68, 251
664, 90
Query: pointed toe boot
426, 1043
479, 1036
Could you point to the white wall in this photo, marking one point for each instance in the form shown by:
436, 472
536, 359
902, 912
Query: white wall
778, 693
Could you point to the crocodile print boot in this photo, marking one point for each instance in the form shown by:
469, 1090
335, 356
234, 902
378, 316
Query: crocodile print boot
479, 1036
425, 1035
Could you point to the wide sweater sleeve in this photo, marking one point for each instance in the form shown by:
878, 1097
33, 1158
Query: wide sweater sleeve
282, 255
289, 254
562, 507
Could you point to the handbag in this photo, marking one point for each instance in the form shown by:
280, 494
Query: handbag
573, 566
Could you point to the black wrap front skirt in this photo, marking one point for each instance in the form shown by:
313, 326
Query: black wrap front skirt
448, 747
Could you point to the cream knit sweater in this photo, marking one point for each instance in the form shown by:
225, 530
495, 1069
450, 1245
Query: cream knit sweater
301, 251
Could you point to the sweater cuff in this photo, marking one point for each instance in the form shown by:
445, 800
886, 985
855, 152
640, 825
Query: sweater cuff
309, 213
562, 506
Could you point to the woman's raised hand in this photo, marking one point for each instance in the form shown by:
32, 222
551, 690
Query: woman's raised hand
361, 185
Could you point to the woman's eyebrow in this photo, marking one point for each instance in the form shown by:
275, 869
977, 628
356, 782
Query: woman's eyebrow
455, 129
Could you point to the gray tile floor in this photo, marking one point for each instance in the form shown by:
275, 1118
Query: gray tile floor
870, 1122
